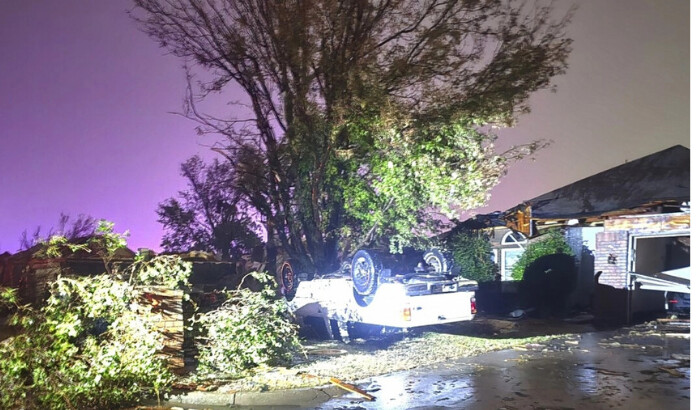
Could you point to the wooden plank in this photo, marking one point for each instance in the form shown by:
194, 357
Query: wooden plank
352, 388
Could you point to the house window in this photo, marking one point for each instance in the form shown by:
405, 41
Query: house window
513, 246
508, 259
514, 238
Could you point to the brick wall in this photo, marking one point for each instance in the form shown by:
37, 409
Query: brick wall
611, 258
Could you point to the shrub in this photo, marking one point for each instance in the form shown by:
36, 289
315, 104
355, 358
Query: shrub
547, 284
472, 251
552, 242
8, 299
88, 347
251, 328
91, 345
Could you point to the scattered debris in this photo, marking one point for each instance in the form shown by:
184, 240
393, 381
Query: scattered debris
672, 372
188, 386
607, 372
346, 386
535, 338
373, 388
674, 321
352, 388
520, 313
681, 335
535, 346
207, 387
326, 352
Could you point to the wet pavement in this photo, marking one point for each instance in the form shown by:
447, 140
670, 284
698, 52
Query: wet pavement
642, 367
638, 368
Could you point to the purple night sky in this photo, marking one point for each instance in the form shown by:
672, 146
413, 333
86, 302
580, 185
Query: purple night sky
85, 100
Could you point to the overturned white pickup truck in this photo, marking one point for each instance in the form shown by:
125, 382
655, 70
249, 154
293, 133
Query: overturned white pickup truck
365, 296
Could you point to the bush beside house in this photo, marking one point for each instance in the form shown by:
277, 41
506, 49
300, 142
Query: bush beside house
550, 243
473, 254
547, 271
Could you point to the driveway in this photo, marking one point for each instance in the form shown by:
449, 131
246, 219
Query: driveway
643, 367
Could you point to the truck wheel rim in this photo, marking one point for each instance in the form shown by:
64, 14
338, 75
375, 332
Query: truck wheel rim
434, 261
287, 277
362, 272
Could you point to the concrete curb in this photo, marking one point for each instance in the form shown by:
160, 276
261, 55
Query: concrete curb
297, 397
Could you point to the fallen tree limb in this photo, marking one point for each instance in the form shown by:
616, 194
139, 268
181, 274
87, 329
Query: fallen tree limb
346, 386
352, 388
672, 372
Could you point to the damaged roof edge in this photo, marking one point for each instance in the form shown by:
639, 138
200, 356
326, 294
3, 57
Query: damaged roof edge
662, 178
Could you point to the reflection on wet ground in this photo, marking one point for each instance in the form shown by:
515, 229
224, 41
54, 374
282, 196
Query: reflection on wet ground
639, 368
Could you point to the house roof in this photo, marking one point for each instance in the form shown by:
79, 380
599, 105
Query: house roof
481, 221
661, 177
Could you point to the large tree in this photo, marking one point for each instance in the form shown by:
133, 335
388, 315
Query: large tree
368, 119
210, 215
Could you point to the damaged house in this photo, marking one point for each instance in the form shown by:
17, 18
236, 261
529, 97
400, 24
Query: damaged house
629, 227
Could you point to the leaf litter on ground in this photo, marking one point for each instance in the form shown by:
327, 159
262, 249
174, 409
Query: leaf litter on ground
363, 359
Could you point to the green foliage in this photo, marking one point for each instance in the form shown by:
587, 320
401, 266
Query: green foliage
103, 241
93, 343
8, 296
55, 246
420, 175
163, 270
90, 346
107, 243
111, 241
369, 135
472, 251
550, 243
9, 300
251, 328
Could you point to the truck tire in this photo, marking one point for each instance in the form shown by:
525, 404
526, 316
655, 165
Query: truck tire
437, 260
288, 279
365, 271
346, 267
